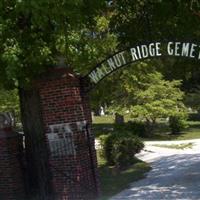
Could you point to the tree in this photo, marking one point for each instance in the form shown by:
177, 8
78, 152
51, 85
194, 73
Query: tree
35, 36
150, 97
31, 42
192, 99
152, 20
141, 21
9, 102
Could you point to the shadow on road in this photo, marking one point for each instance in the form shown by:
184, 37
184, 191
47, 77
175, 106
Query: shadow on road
172, 177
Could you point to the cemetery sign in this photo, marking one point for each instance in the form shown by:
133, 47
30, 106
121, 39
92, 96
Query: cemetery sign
140, 52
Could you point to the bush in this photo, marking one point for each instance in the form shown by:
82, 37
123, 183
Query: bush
177, 124
138, 128
119, 149
134, 127
194, 117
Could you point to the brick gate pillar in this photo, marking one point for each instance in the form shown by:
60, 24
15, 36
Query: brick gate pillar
67, 121
11, 174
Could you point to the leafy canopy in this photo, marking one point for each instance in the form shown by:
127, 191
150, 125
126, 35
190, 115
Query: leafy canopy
148, 96
34, 34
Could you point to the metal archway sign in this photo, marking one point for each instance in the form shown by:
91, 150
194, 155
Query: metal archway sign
141, 52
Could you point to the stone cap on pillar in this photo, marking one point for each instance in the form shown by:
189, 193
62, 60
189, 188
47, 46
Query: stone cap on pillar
58, 72
71, 78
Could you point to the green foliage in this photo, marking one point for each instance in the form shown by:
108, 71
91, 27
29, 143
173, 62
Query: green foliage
119, 149
176, 146
177, 124
192, 99
194, 116
128, 81
159, 99
149, 97
133, 127
9, 102
149, 20
91, 45
34, 34
155, 20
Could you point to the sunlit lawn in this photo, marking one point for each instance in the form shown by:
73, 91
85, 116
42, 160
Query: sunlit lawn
104, 124
176, 146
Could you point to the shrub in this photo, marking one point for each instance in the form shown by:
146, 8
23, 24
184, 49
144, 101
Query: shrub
134, 127
138, 128
194, 117
119, 149
177, 124
107, 142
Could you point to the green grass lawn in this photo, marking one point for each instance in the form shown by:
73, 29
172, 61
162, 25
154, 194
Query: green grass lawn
113, 181
176, 146
162, 133
103, 125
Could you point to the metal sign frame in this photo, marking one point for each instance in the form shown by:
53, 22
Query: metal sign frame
140, 52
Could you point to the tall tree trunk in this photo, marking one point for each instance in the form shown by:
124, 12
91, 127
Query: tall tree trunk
38, 172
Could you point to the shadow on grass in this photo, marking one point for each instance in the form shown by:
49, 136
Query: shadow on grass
193, 125
161, 137
102, 129
162, 131
113, 182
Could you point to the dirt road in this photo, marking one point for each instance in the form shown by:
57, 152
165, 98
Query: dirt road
175, 174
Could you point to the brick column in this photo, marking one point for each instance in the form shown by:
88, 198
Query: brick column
11, 177
67, 121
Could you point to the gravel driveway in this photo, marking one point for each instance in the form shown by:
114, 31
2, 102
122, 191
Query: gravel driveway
175, 174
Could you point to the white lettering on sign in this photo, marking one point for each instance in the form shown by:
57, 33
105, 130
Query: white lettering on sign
139, 53
144, 51
100, 73
182, 49
192, 51
121, 54
133, 53
177, 47
111, 64
116, 61
152, 49
170, 49
93, 76
106, 69
185, 49
158, 52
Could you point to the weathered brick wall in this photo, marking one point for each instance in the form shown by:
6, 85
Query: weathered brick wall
67, 121
11, 177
